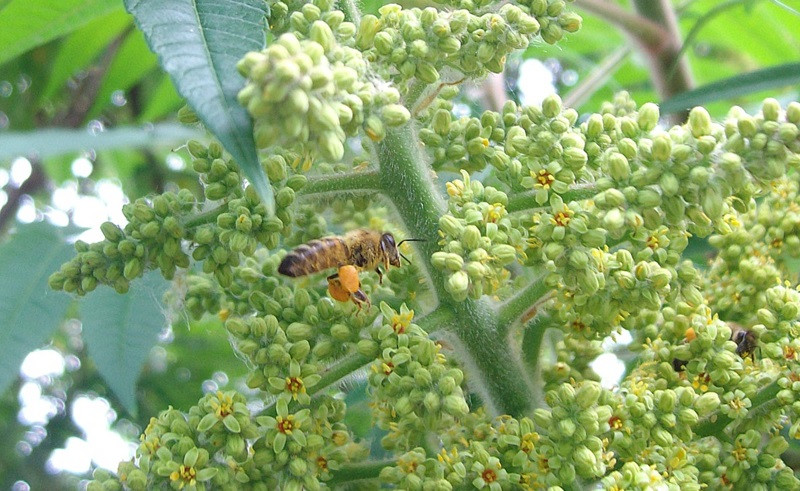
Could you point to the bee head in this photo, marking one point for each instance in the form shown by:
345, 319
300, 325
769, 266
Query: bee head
389, 249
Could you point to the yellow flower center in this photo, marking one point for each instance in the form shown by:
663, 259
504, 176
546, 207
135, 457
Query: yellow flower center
186, 475
489, 476
400, 322
222, 405
295, 385
285, 425
544, 179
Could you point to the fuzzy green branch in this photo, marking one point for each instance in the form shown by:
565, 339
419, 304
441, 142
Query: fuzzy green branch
359, 471
715, 426
523, 302
351, 182
206, 217
532, 336
408, 182
351, 11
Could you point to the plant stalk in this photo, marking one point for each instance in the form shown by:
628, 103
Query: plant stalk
359, 471
408, 183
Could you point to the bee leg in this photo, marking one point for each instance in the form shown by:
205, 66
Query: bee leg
332, 277
359, 298
380, 275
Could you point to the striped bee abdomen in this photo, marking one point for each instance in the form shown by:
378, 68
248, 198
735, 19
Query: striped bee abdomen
314, 256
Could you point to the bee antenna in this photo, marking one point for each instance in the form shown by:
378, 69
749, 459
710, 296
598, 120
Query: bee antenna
410, 240
401, 255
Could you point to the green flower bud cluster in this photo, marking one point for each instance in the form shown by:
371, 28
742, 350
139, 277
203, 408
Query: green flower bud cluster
548, 146
246, 223
478, 239
571, 445
712, 363
657, 419
223, 420
467, 143
498, 454
779, 214
633, 477
283, 15
219, 174
743, 270
752, 462
202, 296
300, 449
170, 455
778, 321
286, 353
595, 301
417, 44
682, 177
152, 238
574, 353
310, 94
413, 387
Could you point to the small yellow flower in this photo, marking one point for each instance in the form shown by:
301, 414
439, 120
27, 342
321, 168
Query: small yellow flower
186, 475
222, 405
295, 385
401, 321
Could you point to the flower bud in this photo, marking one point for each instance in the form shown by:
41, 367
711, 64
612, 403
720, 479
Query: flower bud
395, 114
771, 109
471, 237
458, 284
707, 403
699, 122
504, 253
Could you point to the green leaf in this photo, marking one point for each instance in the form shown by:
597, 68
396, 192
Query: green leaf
130, 65
31, 23
768, 78
51, 142
81, 48
30, 310
162, 101
120, 330
198, 43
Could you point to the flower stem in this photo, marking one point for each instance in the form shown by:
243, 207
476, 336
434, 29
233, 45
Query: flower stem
209, 216
350, 10
359, 471
407, 181
516, 306
353, 182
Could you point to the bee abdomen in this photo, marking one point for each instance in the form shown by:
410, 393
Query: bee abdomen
315, 256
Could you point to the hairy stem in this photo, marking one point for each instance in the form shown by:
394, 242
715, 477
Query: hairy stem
353, 182
350, 10
359, 471
516, 306
407, 182
208, 216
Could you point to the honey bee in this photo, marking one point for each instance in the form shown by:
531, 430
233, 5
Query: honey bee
746, 341
360, 249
